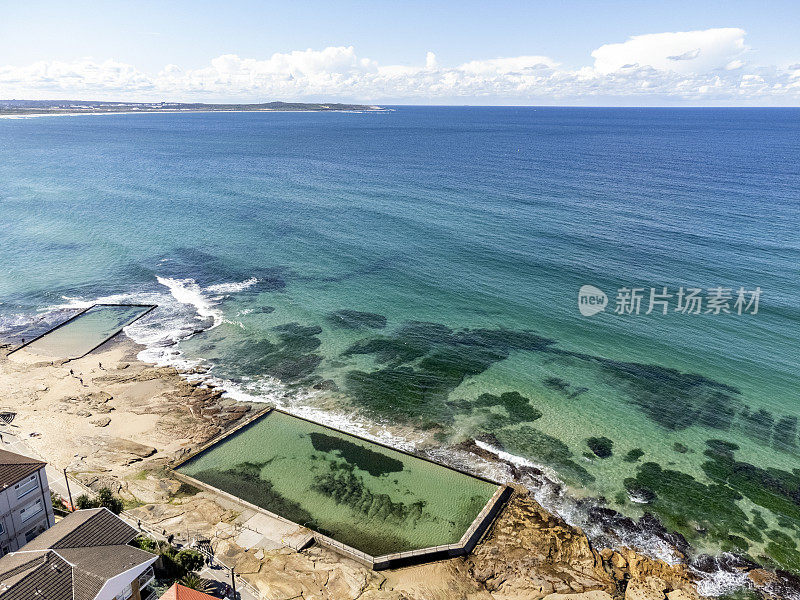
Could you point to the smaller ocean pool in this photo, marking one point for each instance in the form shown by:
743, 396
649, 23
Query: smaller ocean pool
85, 331
367, 496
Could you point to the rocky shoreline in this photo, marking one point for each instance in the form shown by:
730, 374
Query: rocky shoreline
115, 422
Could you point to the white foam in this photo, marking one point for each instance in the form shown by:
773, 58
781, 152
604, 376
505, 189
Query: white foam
187, 291
722, 582
231, 288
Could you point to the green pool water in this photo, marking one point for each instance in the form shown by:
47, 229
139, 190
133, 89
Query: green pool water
372, 498
87, 331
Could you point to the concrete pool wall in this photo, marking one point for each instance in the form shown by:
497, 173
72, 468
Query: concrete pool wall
470, 537
75, 348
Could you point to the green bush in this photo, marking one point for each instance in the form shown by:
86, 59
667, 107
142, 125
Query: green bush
84, 501
189, 560
145, 543
104, 499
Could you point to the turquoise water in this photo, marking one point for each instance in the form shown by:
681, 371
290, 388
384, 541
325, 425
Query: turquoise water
86, 331
372, 498
419, 270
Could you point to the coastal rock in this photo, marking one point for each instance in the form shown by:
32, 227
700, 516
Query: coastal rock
651, 589
96, 397
593, 595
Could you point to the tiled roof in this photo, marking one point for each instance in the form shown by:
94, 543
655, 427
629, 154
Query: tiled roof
85, 528
73, 559
14, 467
44, 575
179, 592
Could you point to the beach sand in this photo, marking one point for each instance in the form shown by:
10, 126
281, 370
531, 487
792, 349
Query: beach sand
113, 421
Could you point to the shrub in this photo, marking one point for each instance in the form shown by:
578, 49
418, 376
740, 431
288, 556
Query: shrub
190, 560
145, 543
104, 499
83, 501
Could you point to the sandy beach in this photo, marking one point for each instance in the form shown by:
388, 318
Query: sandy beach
113, 421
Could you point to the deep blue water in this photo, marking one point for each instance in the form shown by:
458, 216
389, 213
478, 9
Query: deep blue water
465, 233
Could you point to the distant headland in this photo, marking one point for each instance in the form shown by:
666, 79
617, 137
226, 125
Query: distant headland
30, 107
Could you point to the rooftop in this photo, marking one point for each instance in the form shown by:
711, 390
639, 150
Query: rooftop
14, 467
180, 592
72, 560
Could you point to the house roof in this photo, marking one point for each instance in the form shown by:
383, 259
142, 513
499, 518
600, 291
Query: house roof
14, 467
92, 527
43, 573
73, 559
180, 592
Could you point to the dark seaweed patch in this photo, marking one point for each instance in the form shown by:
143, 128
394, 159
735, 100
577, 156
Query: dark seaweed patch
680, 448
690, 506
516, 408
785, 434
244, 481
687, 505
344, 487
602, 447
555, 383
633, 455
355, 319
424, 362
758, 424
374, 463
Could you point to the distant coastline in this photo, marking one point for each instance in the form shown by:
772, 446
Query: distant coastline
84, 107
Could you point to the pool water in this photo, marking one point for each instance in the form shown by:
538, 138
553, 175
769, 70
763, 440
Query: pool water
86, 331
367, 496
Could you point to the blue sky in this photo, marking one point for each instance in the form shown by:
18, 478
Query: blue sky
154, 50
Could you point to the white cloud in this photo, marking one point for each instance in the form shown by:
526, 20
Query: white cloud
682, 52
685, 67
505, 66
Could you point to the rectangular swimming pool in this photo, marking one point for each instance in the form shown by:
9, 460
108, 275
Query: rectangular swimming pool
85, 331
365, 495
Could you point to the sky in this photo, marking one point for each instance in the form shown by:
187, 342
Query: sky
558, 52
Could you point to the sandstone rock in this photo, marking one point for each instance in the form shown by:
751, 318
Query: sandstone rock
135, 448
593, 595
97, 397
101, 422
762, 577
644, 590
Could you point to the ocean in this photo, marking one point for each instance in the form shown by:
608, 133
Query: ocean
414, 274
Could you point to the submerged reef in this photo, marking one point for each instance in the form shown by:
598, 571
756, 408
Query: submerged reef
291, 359
246, 482
509, 408
345, 487
696, 509
422, 363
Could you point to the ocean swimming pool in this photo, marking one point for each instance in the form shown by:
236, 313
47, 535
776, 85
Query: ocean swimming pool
87, 330
364, 495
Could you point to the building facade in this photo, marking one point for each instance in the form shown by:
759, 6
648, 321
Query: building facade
25, 506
